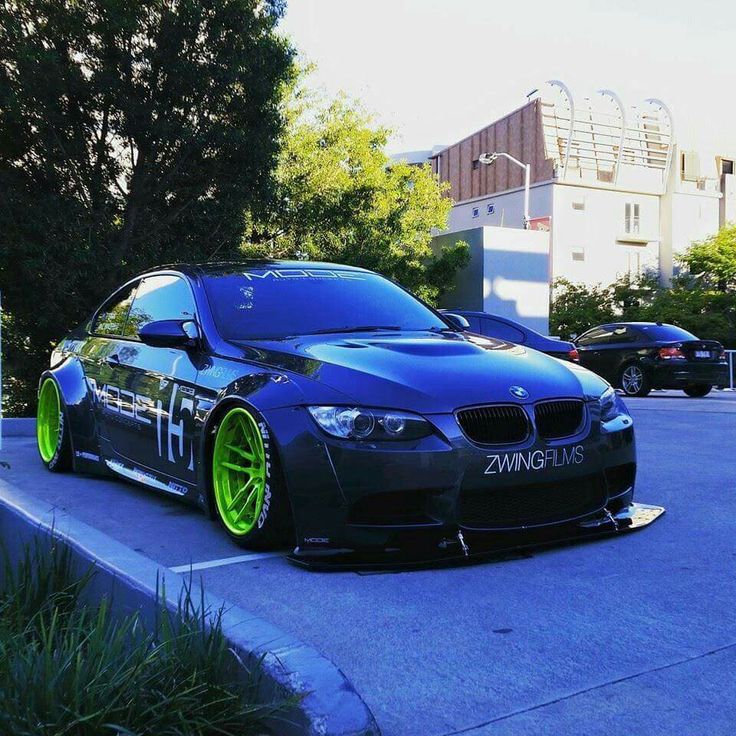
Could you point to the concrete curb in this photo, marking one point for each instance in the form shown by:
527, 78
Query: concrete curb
329, 705
19, 427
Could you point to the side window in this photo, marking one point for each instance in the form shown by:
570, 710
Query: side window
161, 297
474, 323
623, 334
598, 336
112, 319
495, 328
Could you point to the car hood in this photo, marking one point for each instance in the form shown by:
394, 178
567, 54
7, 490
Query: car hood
425, 372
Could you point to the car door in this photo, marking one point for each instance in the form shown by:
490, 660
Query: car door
593, 349
104, 356
161, 442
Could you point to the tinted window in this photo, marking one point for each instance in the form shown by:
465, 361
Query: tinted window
113, 316
502, 331
279, 302
599, 335
161, 297
474, 323
666, 332
622, 334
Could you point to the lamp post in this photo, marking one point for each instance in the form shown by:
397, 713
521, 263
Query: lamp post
489, 158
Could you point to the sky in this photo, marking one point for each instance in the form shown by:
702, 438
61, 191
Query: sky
436, 70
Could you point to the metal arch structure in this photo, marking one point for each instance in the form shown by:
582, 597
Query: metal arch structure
568, 96
622, 112
655, 102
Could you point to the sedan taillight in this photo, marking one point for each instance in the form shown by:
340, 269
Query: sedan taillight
669, 353
573, 355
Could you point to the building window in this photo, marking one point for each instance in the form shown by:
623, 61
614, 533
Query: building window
578, 253
476, 211
631, 218
726, 166
578, 205
490, 209
476, 164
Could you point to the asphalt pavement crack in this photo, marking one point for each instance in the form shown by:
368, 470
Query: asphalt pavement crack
602, 685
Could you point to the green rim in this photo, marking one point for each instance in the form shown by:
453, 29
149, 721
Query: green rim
239, 471
48, 420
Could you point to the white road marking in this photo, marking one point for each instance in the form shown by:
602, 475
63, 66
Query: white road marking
193, 566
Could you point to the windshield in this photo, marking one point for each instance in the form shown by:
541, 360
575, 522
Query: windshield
274, 303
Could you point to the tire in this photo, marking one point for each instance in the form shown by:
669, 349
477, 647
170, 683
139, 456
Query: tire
634, 380
697, 390
52, 429
243, 456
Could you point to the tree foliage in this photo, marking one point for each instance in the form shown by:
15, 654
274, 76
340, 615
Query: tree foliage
714, 259
132, 132
706, 312
340, 198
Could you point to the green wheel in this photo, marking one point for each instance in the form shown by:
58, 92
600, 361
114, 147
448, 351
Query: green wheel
51, 432
248, 501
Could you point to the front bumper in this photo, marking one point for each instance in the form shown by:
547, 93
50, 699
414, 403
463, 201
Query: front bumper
352, 500
497, 548
678, 374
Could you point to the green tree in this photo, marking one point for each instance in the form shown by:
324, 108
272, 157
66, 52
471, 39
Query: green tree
132, 132
340, 198
577, 307
714, 259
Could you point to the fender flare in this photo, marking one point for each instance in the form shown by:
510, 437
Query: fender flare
239, 392
70, 378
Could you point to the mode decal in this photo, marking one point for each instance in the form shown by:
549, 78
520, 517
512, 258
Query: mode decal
513, 462
170, 425
302, 273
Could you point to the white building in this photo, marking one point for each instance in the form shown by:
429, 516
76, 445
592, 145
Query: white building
611, 183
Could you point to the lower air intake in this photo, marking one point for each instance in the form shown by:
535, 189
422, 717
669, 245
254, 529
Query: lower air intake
532, 505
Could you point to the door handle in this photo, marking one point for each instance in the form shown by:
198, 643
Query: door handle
113, 359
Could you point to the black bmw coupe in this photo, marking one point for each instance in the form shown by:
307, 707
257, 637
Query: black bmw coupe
640, 356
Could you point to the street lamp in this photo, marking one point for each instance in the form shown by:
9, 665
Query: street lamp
489, 158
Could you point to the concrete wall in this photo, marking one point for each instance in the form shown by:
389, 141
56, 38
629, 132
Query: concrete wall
588, 223
508, 274
694, 217
508, 209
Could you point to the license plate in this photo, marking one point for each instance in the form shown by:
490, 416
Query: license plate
702, 353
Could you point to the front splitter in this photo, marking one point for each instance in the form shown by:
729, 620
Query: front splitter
480, 546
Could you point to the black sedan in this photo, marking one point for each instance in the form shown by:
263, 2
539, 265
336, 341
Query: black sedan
327, 406
640, 356
502, 328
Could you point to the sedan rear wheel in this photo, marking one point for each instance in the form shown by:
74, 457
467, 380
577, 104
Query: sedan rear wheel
52, 433
634, 381
251, 505
697, 390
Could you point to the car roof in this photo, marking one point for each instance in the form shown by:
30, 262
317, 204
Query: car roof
634, 324
474, 313
223, 267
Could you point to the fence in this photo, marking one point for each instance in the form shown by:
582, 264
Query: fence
731, 355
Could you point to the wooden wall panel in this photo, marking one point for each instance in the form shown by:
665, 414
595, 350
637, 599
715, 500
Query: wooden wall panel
519, 133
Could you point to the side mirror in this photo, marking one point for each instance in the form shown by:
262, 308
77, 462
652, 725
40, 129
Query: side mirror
457, 321
170, 333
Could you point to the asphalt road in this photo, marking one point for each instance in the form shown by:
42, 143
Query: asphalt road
629, 635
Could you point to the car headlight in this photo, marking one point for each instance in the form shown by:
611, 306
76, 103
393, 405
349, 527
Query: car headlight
612, 405
357, 423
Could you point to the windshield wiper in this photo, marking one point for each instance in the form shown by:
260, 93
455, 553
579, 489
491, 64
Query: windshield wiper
358, 328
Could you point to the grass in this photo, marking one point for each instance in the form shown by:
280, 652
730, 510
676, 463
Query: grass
69, 669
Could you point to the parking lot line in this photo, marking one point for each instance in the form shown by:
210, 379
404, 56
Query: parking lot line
192, 566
